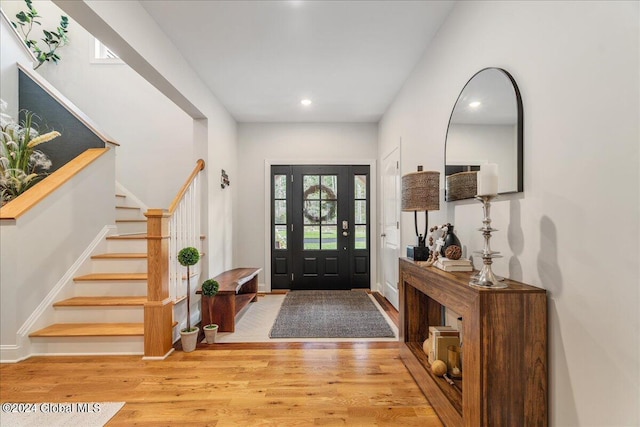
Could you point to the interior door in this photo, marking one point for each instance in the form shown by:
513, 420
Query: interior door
390, 225
320, 227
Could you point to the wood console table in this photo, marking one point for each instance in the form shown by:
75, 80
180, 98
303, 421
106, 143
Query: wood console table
238, 287
504, 351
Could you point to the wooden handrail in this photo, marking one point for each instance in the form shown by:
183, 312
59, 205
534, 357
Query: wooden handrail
21, 204
183, 190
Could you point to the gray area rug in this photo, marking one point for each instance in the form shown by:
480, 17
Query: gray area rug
329, 314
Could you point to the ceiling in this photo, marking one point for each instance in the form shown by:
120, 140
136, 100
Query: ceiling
261, 58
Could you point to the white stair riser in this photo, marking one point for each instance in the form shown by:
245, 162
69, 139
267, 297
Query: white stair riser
127, 245
131, 227
102, 265
111, 288
124, 201
99, 314
129, 214
87, 345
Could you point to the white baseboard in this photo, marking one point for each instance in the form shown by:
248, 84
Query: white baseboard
392, 295
11, 354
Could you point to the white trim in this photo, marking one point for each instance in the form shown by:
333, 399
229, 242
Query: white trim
11, 354
67, 104
373, 178
23, 348
19, 38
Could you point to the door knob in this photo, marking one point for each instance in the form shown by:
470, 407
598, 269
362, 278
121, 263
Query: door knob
345, 233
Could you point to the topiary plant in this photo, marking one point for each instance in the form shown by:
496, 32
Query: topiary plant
210, 288
188, 256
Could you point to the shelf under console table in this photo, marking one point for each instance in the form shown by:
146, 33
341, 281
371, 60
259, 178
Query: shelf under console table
504, 349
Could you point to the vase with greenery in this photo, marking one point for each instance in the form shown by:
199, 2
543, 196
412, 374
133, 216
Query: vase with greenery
21, 165
53, 39
210, 288
189, 336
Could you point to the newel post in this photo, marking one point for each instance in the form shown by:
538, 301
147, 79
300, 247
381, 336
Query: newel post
158, 310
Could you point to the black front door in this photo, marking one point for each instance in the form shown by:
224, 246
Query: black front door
320, 227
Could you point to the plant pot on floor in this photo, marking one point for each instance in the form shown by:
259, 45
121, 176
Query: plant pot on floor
210, 332
189, 339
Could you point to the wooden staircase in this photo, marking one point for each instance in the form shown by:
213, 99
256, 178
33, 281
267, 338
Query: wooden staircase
106, 313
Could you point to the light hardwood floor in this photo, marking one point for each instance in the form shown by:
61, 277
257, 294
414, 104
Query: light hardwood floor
257, 384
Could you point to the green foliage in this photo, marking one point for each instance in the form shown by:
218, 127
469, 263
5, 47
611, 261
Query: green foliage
210, 287
188, 256
52, 39
21, 165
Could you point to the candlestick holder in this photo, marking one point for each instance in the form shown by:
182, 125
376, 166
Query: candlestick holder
485, 277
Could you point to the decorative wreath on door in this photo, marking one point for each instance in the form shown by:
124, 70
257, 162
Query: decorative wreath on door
317, 216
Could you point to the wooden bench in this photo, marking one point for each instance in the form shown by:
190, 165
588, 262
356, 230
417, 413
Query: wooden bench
238, 287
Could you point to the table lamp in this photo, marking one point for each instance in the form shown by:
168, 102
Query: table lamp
420, 192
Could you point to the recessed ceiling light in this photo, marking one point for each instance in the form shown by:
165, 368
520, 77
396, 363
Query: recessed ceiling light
305, 102
474, 104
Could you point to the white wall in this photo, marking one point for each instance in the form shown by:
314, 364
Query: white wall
42, 245
12, 50
156, 152
127, 28
288, 143
574, 231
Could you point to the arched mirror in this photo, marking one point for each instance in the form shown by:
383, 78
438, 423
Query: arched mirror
485, 127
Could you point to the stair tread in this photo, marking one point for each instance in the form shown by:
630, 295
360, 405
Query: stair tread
102, 301
127, 207
111, 276
131, 220
121, 255
90, 330
136, 236
120, 195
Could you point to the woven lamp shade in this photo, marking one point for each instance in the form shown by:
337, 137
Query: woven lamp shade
421, 191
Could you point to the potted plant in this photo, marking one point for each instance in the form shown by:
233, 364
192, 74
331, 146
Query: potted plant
209, 290
189, 256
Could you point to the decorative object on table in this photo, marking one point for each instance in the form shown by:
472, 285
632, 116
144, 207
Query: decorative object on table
420, 192
450, 239
224, 180
454, 361
487, 191
453, 252
54, 39
438, 347
210, 288
439, 368
21, 165
488, 180
437, 234
461, 185
447, 264
189, 336
426, 346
